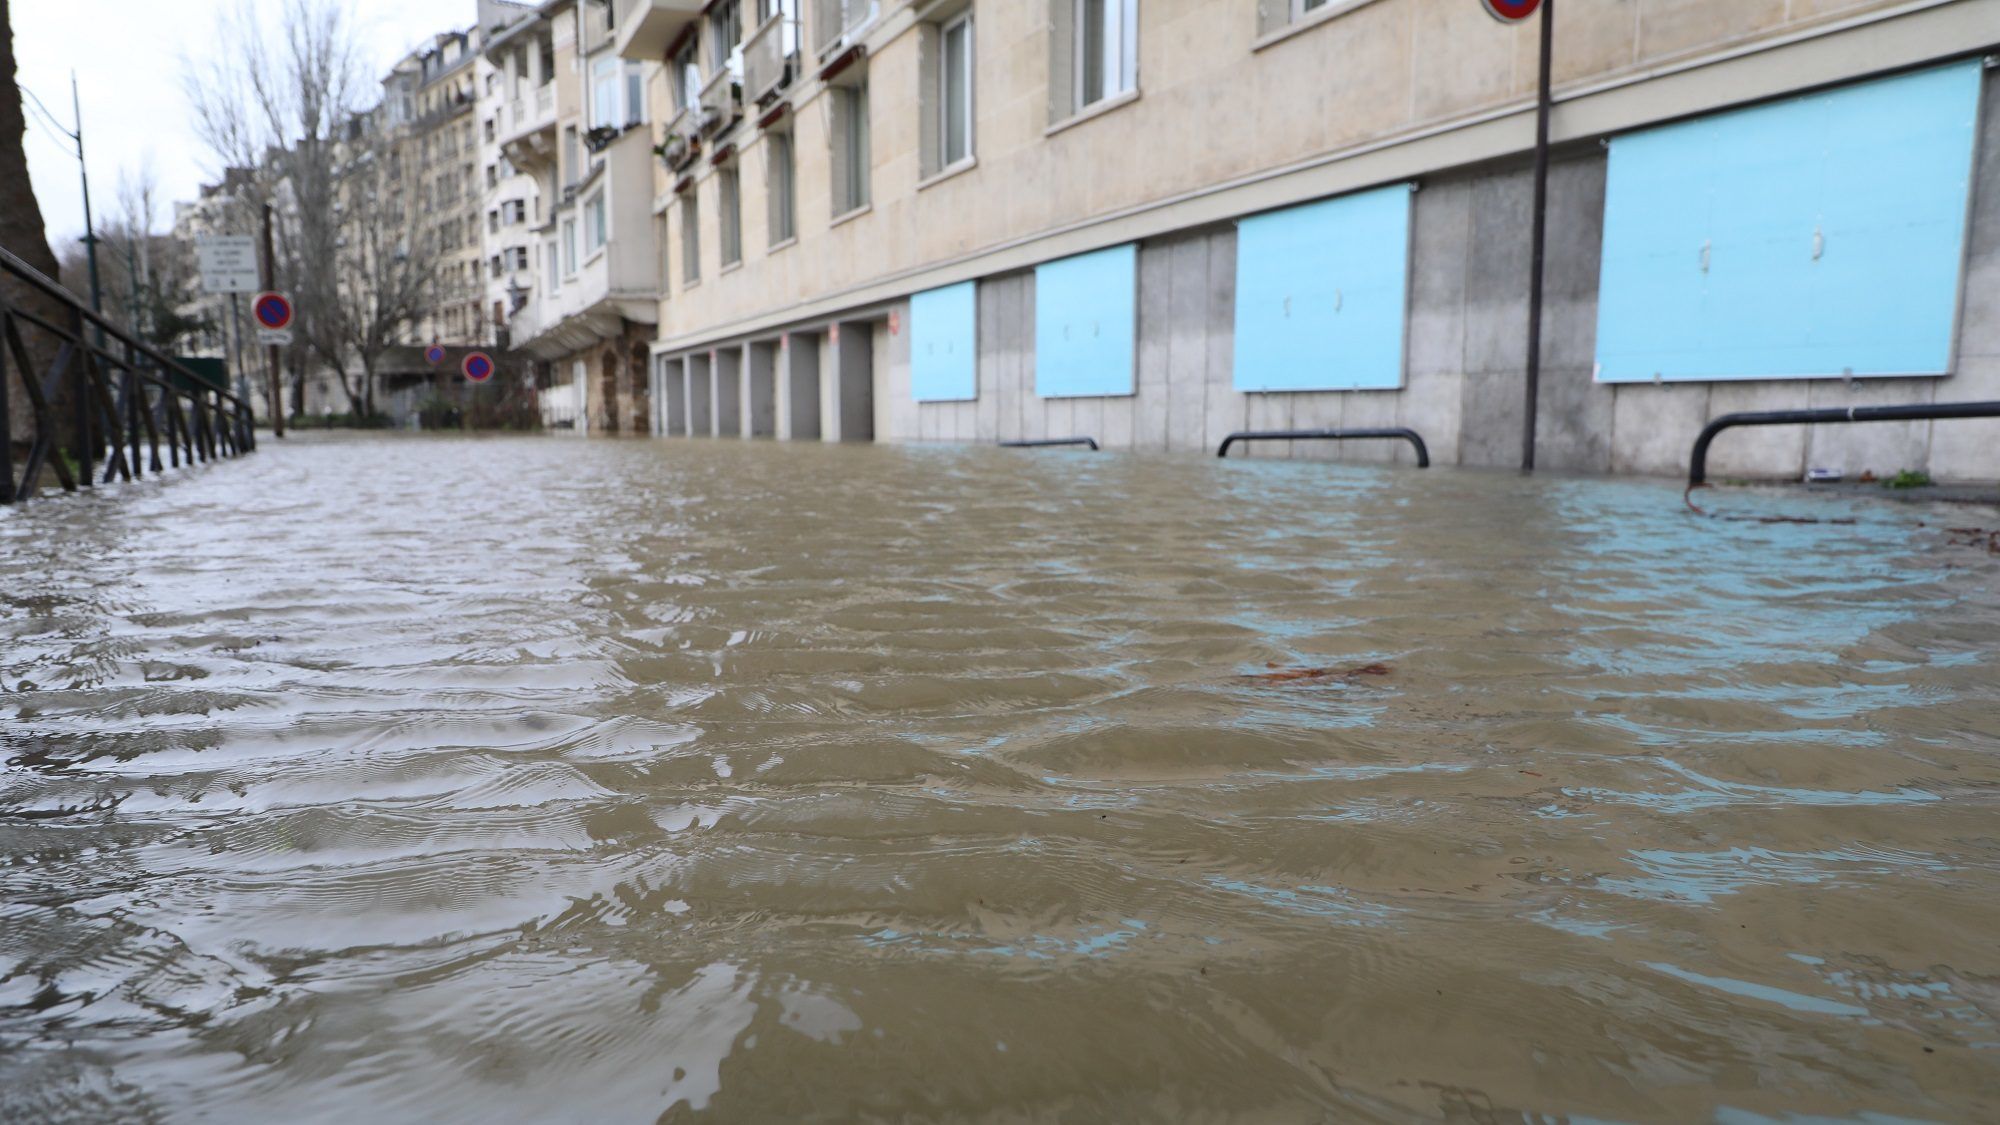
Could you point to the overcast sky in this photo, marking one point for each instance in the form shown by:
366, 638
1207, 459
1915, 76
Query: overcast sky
126, 54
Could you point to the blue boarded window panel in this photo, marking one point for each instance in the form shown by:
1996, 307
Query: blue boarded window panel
944, 344
1086, 319
1819, 236
1321, 294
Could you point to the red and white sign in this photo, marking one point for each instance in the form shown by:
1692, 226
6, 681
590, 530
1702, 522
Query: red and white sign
1511, 11
895, 322
478, 367
272, 310
434, 354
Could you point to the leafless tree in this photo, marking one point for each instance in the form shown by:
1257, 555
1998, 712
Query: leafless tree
289, 102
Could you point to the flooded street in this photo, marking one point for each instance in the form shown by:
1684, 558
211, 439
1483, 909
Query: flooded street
536, 779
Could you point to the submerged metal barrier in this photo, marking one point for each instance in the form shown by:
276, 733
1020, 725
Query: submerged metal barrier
1044, 443
1919, 412
109, 398
1411, 436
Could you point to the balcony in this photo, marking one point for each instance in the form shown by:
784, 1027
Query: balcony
645, 27
769, 57
528, 136
721, 101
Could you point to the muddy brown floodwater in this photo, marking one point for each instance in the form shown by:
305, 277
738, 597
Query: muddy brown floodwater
535, 779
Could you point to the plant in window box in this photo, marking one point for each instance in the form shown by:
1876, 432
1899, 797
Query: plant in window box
598, 138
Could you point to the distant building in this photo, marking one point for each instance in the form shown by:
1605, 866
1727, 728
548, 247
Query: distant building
576, 123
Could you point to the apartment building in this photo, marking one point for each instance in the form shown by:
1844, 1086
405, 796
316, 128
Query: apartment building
576, 123
511, 196
1156, 222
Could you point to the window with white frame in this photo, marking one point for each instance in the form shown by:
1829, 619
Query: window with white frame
725, 30
555, 271
1107, 49
780, 187
729, 203
617, 93
569, 247
596, 225
685, 74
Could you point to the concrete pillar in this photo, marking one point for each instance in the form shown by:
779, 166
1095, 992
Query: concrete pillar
673, 395
760, 392
726, 368
851, 414
699, 397
799, 415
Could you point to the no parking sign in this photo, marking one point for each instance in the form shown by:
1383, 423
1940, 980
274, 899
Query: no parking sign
477, 367
1511, 11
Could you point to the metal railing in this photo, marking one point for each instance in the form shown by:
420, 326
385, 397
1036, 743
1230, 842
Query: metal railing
1045, 443
768, 55
721, 100
91, 404
1917, 412
1411, 436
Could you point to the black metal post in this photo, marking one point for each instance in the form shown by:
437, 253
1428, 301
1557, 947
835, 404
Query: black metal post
1540, 237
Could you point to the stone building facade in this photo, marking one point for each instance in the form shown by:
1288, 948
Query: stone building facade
833, 172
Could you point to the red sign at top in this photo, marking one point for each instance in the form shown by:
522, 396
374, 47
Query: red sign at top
272, 310
1511, 11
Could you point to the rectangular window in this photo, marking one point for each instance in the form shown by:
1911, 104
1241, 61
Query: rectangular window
572, 156
1086, 324
851, 150
1321, 294
725, 26
779, 187
604, 108
690, 239
1819, 236
955, 90
569, 247
595, 224
1107, 49
685, 68
728, 193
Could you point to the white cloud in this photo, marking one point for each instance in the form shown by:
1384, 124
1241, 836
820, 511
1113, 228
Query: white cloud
126, 54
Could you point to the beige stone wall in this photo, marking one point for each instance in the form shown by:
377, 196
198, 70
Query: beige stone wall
1216, 102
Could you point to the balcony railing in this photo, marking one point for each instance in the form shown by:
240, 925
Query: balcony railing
837, 19
545, 100
721, 100
768, 57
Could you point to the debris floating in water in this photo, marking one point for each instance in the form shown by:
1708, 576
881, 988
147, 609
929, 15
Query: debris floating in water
1280, 675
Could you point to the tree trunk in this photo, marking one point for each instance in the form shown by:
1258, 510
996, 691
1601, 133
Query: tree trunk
21, 232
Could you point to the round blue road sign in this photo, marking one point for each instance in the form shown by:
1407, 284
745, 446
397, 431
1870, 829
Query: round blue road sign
478, 367
272, 310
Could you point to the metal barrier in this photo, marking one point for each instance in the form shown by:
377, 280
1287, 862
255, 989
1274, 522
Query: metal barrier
111, 397
1920, 412
1044, 443
1411, 436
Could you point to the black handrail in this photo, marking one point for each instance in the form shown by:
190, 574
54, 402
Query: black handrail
1917, 412
114, 397
1411, 436
1044, 443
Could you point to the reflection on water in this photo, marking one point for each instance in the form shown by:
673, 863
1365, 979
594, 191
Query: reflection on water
536, 779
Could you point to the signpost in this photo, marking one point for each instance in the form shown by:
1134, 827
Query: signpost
1514, 11
228, 263
477, 366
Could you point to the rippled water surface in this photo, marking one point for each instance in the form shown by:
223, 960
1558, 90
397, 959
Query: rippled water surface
535, 779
